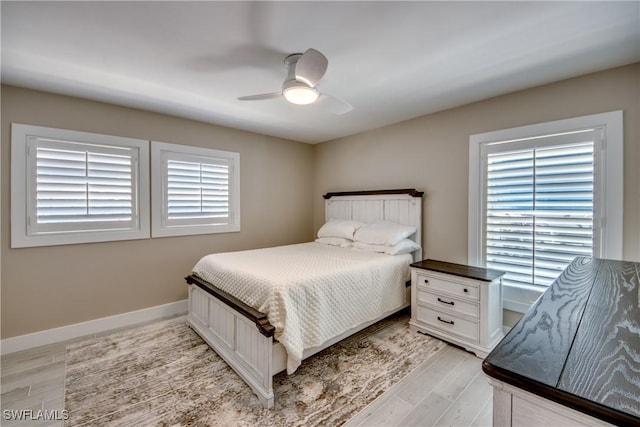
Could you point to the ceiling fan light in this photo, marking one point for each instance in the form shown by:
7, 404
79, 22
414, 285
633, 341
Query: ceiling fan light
301, 95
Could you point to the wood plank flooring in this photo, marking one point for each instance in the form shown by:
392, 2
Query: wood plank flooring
33, 380
448, 390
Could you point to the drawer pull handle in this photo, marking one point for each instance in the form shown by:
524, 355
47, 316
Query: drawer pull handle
426, 281
446, 302
466, 290
450, 322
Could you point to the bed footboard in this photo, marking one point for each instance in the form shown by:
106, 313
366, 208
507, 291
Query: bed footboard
253, 315
235, 337
238, 335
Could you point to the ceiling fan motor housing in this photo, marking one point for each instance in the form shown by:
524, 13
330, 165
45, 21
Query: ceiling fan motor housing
294, 90
291, 80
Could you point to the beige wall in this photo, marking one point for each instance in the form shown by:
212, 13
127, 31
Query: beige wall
281, 185
431, 153
47, 287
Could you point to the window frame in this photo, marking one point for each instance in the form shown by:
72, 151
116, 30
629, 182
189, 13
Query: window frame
160, 153
23, 186
608, 173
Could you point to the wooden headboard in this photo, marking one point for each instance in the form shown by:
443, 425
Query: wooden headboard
402, 206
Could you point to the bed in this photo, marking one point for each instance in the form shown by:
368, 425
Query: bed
265, 310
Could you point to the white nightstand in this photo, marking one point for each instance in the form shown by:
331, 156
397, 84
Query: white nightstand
457, 303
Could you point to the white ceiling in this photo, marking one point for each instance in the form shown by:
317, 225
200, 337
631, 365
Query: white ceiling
391, 60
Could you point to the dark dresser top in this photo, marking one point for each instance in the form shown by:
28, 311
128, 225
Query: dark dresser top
579, 344
477, 273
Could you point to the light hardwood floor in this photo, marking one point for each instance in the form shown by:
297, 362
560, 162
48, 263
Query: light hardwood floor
447, 390
33, 380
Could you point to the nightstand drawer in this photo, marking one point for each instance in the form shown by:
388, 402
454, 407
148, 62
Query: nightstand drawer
451, 324
448, 304
436, 285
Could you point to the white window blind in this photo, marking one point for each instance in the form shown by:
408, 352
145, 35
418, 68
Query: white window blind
539, 206
541, 194
81, 186
77, 187
196, 190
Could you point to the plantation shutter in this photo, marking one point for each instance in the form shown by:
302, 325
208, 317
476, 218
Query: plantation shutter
539, 205
197, 191
81, 186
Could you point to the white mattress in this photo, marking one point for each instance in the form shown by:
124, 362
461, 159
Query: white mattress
310, 292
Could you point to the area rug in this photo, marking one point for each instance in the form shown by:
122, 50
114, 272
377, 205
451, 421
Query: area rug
164, 374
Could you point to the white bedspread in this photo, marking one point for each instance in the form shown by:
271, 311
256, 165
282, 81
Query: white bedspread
310, 292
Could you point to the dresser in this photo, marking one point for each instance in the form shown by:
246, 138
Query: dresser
574, 357
457, 303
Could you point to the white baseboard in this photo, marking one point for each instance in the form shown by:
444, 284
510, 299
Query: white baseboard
517, 306
77, 330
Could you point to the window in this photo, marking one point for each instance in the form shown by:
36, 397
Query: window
196, 190
76, 187
541, 195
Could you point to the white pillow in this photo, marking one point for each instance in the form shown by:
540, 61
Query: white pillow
383, 233
370, 247
339, 228
335, 241
405, 246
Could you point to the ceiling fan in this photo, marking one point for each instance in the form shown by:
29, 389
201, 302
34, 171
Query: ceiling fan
300, 87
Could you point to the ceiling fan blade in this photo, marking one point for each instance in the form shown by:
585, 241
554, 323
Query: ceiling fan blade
311, 67
260, 97
334, 105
